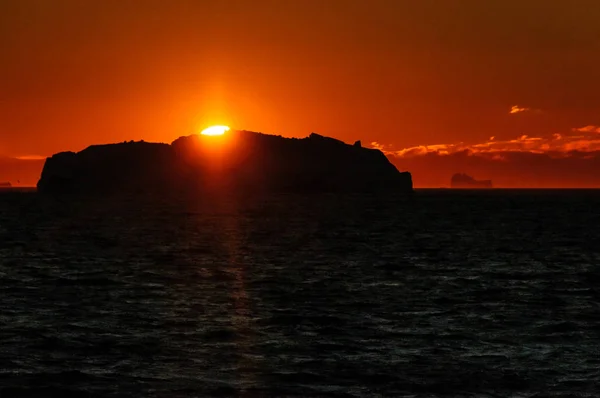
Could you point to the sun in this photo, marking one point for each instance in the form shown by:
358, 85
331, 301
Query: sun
215, 130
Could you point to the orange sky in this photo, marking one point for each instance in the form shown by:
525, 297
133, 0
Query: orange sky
424, 80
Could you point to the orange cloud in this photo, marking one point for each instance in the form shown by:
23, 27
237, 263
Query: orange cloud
568, 159
555, 144
517, 109
31, 157
588, 129
506, 169
377, 145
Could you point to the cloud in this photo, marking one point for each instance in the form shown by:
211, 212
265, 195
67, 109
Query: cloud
574, 169
588, 129
377, 145
31, 157
518, 109
567, 159
556, 145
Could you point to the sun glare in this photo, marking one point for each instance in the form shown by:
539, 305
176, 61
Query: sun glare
215, 130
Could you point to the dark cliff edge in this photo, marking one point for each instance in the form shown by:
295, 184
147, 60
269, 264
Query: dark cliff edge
466, 181
240, 161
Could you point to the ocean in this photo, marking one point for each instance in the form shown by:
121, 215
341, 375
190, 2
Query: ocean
448, 293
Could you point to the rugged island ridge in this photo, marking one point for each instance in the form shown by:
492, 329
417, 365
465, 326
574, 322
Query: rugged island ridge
240, 161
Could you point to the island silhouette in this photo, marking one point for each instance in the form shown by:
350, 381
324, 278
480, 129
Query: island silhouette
5, 185
241, 161
462, 180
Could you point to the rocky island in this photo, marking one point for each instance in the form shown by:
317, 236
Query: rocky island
5, 185
461, 180
241, 161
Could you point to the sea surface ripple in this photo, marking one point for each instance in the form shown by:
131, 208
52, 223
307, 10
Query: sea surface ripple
451, 293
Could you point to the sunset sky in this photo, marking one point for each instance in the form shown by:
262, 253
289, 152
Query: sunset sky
507, 90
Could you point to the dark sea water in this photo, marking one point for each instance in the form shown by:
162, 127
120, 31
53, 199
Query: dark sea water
453, 293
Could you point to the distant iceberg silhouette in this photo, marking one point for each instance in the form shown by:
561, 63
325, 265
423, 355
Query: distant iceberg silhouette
461, 180
240, 161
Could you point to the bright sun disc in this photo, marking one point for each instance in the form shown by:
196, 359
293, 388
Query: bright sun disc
215, 130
